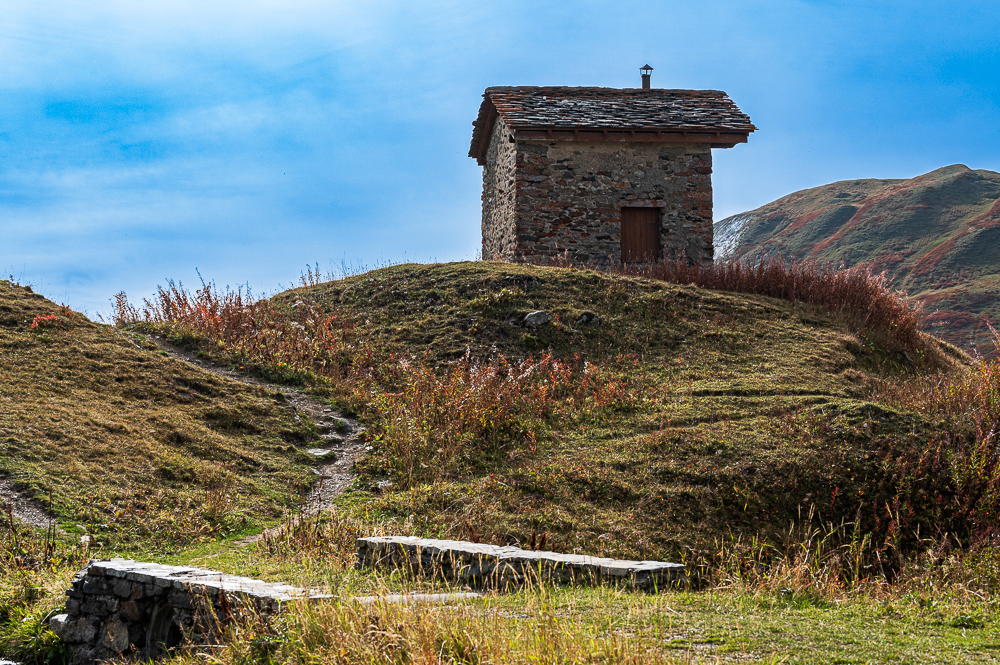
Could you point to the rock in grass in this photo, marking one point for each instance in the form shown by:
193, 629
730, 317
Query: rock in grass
536, 319
589, 319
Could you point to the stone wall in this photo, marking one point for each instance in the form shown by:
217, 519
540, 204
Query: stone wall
125, 609
499, 188
570, 196
502, 567
567, 197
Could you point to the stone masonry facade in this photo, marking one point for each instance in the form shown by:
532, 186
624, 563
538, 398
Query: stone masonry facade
547, 200
500, 240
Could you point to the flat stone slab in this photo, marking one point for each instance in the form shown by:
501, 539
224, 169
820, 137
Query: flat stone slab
197, 581
494, 565
413, 598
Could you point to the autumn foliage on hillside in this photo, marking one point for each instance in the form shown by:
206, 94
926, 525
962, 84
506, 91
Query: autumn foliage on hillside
863, 298
432, 422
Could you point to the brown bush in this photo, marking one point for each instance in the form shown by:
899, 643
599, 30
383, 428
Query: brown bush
870, 307
471, 415
251, 330
428, 422
968, 449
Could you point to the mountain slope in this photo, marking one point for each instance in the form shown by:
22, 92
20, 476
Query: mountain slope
936, 235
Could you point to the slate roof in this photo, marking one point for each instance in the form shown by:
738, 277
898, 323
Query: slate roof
533, 107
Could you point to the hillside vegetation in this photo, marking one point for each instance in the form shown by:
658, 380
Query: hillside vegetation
937, 235
828, 473
99, 426
686, 416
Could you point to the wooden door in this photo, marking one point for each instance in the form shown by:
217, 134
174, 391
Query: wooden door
640, 235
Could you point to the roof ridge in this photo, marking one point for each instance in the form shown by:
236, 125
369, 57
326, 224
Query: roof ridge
569, 88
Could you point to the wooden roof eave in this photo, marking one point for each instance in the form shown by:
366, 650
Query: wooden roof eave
489, 122
718, 138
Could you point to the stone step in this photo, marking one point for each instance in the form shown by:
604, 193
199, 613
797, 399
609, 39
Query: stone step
498, 566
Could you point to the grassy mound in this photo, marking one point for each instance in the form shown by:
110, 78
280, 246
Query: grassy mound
733, 414
690, 423
119, 439
645, 419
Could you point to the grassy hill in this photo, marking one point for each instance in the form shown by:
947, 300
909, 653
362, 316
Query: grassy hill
937, 235
801, 465
685, 416
132, 445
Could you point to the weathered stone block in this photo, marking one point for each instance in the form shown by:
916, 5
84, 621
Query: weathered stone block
122, 588
82, 630
130, 610
84, 655
493, 565
114, 636
536, 319
72, 607
100, 606
180, 600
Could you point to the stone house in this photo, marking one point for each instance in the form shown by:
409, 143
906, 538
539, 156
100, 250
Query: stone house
607, 175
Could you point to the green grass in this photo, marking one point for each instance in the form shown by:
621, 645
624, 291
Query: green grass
552, 625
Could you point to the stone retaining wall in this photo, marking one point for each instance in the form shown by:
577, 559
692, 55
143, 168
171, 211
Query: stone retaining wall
121, 608
502, 567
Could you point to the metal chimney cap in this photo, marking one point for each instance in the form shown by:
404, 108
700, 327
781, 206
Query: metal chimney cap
645, 76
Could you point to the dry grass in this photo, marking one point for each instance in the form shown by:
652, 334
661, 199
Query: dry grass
429, 423
966, 449
130, 445
438, 424
794, 612
863, 298
277, 342
344, 632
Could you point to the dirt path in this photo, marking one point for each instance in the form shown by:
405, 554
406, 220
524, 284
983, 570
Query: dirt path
342, 440
28, 511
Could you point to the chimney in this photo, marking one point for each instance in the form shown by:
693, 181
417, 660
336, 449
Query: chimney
646, 71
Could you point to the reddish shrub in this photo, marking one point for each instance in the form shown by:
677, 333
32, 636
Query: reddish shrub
429, 422
968, 451
253, 330
863, 298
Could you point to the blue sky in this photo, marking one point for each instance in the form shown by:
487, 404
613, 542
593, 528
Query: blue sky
140, 141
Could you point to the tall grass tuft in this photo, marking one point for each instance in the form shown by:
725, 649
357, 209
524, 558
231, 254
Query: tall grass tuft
251, 330
463, 632
433, 423
969, 451
815, 561
862, 297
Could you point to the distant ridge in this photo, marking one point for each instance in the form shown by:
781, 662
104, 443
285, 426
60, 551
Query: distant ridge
936, 235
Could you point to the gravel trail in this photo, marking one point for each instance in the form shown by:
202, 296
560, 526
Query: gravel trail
342, 443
